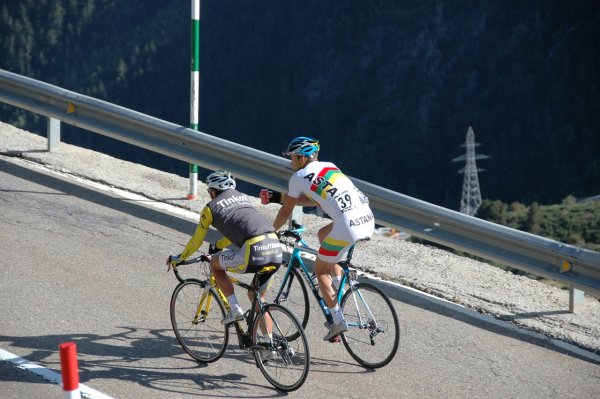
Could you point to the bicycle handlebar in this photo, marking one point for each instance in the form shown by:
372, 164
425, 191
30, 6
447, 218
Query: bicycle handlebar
295, 233
201, 258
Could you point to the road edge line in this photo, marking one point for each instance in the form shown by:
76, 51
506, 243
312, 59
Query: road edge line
47, 374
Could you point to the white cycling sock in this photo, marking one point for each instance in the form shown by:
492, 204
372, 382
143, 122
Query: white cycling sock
233, 303
336, 313
337, 280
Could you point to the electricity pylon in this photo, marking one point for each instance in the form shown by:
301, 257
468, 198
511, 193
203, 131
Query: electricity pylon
470, 200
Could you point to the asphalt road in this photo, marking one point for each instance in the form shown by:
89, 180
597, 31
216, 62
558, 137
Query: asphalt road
85, 265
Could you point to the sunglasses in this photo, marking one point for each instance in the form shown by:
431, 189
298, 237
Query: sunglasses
290, 156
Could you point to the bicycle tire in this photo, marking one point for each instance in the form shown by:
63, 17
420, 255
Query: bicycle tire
294, 295
204, 339
373, 343
289, 367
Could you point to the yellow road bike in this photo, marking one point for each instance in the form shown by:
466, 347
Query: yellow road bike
197, 308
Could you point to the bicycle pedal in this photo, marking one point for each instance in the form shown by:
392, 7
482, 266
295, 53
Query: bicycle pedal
335, 339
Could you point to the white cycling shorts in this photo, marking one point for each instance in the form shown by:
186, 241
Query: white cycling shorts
260, 254
353, 226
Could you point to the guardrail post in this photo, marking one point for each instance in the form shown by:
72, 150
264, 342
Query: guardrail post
576, 298
53, 134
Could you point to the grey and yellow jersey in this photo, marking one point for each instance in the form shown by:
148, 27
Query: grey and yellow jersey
233, 215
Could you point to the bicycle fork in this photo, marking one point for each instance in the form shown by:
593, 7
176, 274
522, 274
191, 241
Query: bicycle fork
203, 306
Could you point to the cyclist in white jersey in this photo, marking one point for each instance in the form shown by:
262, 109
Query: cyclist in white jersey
323, 184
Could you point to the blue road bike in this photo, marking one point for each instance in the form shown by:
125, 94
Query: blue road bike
373, 332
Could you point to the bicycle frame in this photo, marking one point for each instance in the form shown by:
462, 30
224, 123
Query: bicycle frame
301, 246
366, 308
205, 303
243, 336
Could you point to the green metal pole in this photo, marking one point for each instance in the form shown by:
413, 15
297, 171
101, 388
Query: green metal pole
195, 91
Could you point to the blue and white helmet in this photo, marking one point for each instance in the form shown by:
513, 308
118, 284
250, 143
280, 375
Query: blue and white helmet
304, 146
220, 180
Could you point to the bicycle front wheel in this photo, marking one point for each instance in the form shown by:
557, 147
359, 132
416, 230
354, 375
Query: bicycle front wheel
196, 314
283, 362
373, 328
293, 295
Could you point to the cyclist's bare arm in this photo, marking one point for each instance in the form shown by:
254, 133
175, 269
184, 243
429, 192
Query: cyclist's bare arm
285, 211
288, 206
303, 200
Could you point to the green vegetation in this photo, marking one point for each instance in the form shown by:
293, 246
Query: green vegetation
571, 222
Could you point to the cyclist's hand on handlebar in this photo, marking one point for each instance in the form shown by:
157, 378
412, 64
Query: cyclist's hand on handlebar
173, 261
282, 235
295, 233
267, 196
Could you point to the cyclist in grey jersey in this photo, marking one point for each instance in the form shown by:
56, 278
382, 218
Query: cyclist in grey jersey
232, 214
235, 217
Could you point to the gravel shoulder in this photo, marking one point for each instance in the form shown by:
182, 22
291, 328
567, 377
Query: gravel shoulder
524, 302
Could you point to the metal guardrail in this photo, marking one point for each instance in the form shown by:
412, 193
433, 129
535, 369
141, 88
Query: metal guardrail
573, 266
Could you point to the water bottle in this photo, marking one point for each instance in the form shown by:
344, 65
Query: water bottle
265, 198
315, 280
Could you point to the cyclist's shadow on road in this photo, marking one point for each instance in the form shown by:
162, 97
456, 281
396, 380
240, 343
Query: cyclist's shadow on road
138, 356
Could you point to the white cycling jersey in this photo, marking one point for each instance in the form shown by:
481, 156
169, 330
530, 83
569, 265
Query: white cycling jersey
326, 185
347, 206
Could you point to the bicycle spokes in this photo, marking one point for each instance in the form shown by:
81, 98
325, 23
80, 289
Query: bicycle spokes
281, 346
284, 362
195, 317
373, 329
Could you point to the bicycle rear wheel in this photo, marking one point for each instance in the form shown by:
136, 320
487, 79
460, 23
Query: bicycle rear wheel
284, 363
196, 314
293, 295
373, 328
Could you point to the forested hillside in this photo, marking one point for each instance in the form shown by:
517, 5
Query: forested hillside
389, 87
573, 222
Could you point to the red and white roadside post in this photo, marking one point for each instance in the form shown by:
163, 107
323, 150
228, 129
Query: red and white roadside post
69, 370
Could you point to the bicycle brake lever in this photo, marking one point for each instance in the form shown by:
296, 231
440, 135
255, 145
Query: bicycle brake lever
169, 267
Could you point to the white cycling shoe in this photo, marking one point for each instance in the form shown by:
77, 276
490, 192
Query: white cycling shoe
335, 330
233, 316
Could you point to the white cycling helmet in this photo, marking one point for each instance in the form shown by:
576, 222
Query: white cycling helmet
220, 180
